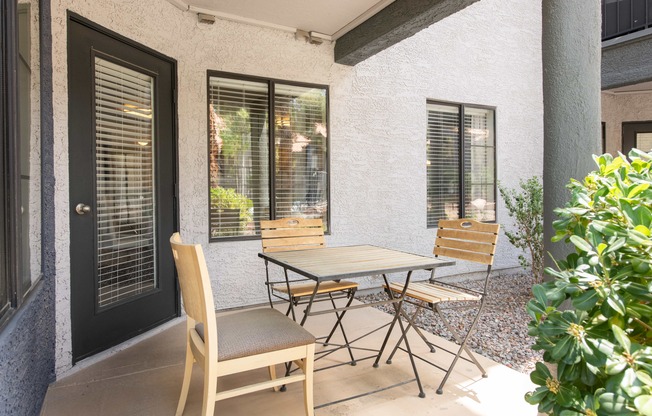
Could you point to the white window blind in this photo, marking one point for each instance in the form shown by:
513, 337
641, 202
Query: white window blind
446, 197
301, 141
239, 149
443, 162
125, 213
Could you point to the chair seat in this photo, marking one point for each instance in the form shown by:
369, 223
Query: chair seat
298, 291
433, 293
256, 331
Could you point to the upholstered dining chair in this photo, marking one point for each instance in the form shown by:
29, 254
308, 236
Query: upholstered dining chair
289, 234
462, 239
238, 342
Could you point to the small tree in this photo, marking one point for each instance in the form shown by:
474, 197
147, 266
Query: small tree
526, 207
602, 345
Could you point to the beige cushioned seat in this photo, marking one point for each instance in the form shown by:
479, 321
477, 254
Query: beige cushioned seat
273, 331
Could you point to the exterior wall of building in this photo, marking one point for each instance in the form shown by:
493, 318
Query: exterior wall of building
27, 354
27, 338
488, 54
619, 108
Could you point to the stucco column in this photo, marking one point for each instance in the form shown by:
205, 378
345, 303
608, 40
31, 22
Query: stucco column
571, 49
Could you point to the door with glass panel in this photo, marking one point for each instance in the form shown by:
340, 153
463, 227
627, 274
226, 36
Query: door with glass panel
637, 135
122, 188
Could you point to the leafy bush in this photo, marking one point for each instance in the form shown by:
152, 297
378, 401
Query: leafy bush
526, 207
601, 345
228, 198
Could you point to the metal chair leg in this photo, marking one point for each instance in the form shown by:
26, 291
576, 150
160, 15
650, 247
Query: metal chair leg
339, 323
462, 347
418, 331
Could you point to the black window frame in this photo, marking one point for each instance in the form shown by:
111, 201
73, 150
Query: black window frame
271, 83
462, 165
10, 229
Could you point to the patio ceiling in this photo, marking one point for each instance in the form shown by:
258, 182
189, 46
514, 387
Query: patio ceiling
361, 28
327, 19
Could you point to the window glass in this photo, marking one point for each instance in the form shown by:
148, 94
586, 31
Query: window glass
442, 162
301, 139
446, 198
245, 185
239, 143
479, 150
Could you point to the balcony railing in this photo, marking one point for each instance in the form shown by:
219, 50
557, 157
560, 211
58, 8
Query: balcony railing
620, 17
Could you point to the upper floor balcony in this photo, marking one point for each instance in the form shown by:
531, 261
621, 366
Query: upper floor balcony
621, 17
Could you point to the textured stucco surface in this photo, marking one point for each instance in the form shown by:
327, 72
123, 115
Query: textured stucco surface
26, 354
627, 63
617, 109
377, 120
571, 81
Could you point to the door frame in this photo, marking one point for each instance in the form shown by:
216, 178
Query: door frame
73, 17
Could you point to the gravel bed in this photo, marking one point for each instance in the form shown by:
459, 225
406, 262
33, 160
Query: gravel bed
501, 332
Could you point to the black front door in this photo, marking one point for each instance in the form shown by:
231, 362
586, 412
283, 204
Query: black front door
637, 134
122, 188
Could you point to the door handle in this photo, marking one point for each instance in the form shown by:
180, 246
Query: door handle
82, 209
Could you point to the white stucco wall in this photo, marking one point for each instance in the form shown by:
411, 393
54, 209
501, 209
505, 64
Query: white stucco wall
619, 108
487, 54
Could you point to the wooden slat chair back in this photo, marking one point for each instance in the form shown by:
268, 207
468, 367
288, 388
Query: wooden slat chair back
462, 239
467, 240
238, 342
288, 234
291, 234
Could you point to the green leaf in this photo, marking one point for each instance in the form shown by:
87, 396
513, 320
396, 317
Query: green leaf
637, 189
616, 245
580, 243
586, 300
622, 338
567, 395
614, 404
539, 376
537, 395
616, 302
644, 404
645, 378
540, 294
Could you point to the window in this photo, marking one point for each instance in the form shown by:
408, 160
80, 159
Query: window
19, 186
460, 162
268, 153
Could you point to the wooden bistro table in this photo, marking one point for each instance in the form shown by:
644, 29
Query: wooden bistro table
335, 263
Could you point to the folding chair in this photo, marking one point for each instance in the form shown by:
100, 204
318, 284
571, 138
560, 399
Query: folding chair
237, 342
462, 239
289, 234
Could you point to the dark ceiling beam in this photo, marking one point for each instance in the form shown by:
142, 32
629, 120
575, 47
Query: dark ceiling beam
398, 21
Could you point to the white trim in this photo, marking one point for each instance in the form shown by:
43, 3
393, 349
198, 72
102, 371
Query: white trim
253, 22
181, 5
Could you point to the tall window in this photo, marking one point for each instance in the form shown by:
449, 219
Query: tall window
19, 141
460, 162
268, 153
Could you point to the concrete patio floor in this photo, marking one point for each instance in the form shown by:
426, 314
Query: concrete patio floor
144, 378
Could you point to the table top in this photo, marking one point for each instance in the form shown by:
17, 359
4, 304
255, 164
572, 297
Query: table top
333, 263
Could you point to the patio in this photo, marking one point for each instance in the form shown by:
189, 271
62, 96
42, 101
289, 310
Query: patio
144, 378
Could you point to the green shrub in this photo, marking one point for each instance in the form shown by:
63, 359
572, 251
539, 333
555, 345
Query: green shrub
228, 198
601, 343
526, 207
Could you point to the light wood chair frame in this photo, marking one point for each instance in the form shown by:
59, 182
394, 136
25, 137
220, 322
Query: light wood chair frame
198, 303
463, 239
290, 234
